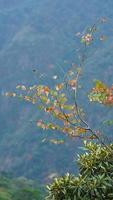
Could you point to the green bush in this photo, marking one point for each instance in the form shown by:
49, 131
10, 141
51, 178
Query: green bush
95, 179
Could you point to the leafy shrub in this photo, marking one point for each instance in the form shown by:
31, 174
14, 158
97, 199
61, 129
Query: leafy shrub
95, 179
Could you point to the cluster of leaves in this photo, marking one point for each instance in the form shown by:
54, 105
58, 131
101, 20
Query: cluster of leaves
17, 188
95, 179
101, 93
88, 37
56, 103
60, 102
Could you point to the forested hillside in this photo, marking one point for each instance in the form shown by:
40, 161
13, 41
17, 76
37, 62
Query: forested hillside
37, 41
18, 188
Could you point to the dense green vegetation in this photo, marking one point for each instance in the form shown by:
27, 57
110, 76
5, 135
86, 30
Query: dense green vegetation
95, 178
18, 188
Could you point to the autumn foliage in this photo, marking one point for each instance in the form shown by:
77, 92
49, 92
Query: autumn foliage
60, 102
101, 93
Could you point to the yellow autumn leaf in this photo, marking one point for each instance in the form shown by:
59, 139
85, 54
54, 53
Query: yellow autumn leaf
80, 130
